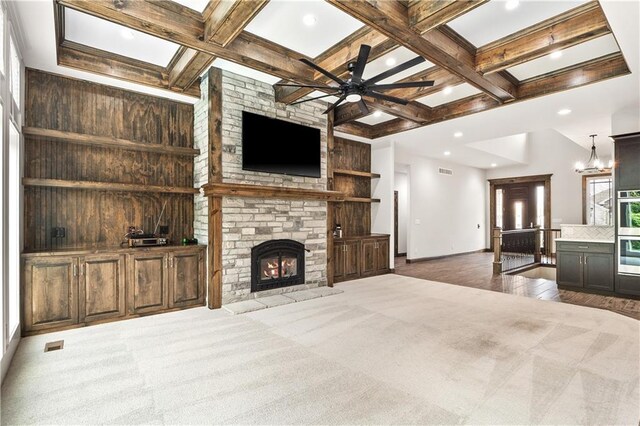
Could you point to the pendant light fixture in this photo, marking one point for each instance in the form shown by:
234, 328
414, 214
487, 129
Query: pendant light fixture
593, 165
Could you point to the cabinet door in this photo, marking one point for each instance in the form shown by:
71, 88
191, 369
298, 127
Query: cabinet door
338, 261
598, 271
102, 283
627, 170
368, 258
569, 268
49, 293
628, 284
147, 282
186, 284
352, 260
382, 256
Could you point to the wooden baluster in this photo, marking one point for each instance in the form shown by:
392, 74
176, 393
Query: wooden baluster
537, 254
497, 255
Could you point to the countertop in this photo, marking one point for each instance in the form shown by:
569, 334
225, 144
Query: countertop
579, 240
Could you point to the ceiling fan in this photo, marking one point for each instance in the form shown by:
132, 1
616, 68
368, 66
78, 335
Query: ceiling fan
353, 89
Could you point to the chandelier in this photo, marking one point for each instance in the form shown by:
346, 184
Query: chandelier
593, 165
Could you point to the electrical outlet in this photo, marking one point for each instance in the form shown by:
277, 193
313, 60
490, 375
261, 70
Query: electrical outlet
58, 232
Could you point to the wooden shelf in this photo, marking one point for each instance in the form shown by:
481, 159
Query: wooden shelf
107, 186
260, 191
362, 200
108, 142
356, 173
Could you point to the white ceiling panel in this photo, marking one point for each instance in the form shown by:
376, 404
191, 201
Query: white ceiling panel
197, 5
457, 92
104, 35
282, 22
570, 56
392, 59
493, 20
316, 93
245, 71
376, 118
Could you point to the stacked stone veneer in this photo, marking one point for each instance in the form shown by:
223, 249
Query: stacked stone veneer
247, 222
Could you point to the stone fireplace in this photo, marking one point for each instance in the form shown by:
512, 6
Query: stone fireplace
277, 263
247, 223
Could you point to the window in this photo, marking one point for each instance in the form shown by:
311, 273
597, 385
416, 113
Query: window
598, 198
518, 208
16, 70
13, 236
499, 208
540, 206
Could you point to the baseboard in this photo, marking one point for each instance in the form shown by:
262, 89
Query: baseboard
426, 259
401, 255
487, 250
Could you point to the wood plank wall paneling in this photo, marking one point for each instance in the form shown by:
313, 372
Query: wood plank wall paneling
354, 217
99, 218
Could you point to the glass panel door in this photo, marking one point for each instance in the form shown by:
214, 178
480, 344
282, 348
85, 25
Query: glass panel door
13, 233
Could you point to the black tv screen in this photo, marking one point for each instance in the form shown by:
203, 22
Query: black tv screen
276, 146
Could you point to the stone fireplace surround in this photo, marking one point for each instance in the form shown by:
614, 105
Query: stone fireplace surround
247, 222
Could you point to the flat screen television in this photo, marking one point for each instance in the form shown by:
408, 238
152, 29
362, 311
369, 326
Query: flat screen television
276, 146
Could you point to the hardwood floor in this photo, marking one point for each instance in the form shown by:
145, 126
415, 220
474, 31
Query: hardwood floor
475, 270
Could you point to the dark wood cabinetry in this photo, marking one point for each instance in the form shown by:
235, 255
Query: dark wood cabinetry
359, 257
70, 289
586, 265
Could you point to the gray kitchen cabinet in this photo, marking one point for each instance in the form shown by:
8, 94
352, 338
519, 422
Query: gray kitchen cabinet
586, 265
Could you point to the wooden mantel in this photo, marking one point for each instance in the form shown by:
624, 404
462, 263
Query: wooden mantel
261, 191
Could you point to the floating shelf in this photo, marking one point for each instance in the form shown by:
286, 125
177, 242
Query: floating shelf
362, 200
108, 142
356, 173
261, 191
107, 186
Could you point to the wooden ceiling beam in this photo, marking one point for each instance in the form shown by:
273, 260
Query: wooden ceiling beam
166, 23
185, 69
355, 128
97, 61
391, 18
427, 15
576, 26
589, 72
227, 18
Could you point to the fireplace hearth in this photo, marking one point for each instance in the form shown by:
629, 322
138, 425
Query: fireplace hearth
277, 263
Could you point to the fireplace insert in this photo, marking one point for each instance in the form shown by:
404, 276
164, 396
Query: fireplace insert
277, 263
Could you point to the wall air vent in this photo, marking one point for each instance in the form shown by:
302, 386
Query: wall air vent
446, 172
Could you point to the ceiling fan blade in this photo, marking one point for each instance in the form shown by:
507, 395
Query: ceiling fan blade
399, 68
363, 107
401, 85
360, 64
387, 98
310, 86
323, 71
313, 99
342, 98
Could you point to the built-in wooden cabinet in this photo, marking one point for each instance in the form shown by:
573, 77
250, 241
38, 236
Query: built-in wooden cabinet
585, 265
360, 256
67, 289
102, 287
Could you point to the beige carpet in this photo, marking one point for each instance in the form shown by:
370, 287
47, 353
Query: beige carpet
389, 349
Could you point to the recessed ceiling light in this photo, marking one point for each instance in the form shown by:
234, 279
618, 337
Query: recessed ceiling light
511, 4
458, 134
564, 111
309, 20
390, 62
447, 90
556, 55
377, 114
126, 33
447, 153
494, 165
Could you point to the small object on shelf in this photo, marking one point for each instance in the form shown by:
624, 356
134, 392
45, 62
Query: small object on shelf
189, 241
337, 232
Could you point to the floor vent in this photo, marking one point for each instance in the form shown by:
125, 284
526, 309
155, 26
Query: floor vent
54, 346
446, 172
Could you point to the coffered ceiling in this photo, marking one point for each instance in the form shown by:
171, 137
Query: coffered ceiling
481, 54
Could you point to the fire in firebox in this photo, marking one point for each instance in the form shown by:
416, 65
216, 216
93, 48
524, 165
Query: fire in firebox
272, 269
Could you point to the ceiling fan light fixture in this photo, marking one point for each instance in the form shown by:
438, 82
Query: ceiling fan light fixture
353, 97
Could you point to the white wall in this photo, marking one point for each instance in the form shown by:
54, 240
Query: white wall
401, 184
382, 213
444, 211
551, 153
625, 121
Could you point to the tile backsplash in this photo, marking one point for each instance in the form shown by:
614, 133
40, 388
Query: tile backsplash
587, 232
